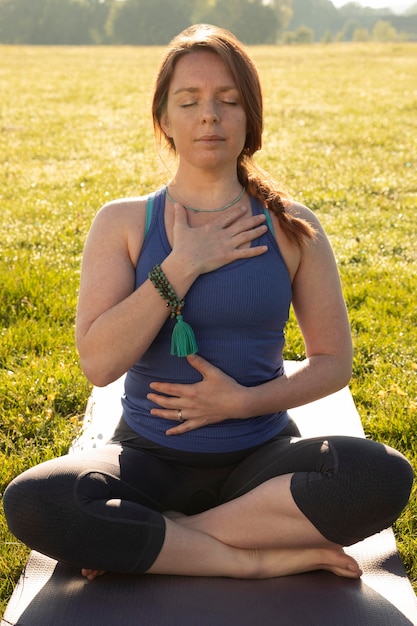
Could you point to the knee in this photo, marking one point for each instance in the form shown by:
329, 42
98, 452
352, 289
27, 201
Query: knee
31, 499
18, 500
388, 487
399, 476
22, 503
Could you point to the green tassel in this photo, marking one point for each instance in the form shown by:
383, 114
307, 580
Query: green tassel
183, 340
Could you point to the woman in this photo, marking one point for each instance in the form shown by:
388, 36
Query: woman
210, 263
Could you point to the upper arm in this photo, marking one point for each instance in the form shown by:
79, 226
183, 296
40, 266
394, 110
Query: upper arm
109, 260
318, 299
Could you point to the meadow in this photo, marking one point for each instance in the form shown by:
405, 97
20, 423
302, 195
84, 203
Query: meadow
76, 131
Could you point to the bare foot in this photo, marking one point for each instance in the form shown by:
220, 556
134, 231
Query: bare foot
340, 563
91, 574
284, 562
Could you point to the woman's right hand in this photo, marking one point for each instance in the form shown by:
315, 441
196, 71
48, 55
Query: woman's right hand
219, 242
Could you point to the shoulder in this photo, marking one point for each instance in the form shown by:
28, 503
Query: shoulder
302, 212
292, 254
122, 215
122, 208
120, 224
319, 243
317, 264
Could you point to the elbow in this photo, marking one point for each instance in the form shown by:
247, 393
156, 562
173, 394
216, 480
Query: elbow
345, 374
335, 371
342, 371
97, 374
341, 363
98, 366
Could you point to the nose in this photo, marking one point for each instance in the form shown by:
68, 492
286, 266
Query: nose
210, 113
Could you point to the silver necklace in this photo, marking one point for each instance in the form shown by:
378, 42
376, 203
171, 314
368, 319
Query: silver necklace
197, 210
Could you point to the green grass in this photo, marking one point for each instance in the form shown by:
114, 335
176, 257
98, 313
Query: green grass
76, 131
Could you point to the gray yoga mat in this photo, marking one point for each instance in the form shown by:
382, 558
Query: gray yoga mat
52, 594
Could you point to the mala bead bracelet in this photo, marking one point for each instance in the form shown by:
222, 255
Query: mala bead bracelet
166, 290
183, 340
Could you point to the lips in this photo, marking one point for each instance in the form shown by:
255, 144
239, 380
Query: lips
210, 138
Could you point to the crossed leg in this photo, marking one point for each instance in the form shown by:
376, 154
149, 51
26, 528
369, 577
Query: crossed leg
261, 534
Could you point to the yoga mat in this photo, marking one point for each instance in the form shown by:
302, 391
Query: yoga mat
52, 594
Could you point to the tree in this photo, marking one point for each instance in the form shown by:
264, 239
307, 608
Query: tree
360, 34
252, 21
349, 28
283, 11
59, 22
303, 35
20, 21
384, 31
96, 16
148, 22
319, 15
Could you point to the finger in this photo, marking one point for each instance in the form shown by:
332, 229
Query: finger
248, 253
163, 401
247, 236
252, 228
170, 389
237, 222
170, 414
248, 223
185, 427
177, 430
201, 365
224, 221
180, 215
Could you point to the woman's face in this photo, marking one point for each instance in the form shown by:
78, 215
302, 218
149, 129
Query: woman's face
204, 115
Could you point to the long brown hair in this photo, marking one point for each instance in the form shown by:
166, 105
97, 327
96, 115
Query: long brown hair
245, 75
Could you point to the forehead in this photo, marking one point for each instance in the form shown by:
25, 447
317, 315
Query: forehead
196, 68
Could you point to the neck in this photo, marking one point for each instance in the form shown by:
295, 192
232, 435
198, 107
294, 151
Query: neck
207, 195
196, 209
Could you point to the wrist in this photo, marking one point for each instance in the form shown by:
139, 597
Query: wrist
253, 401
242, 403
182, 340
180, 274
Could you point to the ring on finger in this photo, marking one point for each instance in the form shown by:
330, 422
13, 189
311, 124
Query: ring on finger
179, 416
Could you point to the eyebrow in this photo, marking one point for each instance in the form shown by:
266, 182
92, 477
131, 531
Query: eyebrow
197, 89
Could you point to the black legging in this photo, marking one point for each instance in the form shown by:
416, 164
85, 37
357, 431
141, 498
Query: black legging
101, 509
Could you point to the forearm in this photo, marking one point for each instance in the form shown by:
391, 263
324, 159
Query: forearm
116, 339
314, 378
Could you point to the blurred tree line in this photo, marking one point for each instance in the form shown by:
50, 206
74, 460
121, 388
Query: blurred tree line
136, 22
155, 22
320, 20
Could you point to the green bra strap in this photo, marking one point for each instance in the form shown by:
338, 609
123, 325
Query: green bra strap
149, 209
269, 221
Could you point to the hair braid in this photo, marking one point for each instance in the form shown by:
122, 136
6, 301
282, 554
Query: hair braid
260, 186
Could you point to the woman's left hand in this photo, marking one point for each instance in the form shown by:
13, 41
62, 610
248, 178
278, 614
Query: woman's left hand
213, 399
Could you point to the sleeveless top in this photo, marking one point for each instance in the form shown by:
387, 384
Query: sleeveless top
238, 314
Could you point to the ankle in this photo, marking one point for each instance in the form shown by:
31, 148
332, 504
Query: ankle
251, 564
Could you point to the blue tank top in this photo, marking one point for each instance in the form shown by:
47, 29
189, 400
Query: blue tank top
238, 314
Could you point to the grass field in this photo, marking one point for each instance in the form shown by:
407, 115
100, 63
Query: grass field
75, 131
